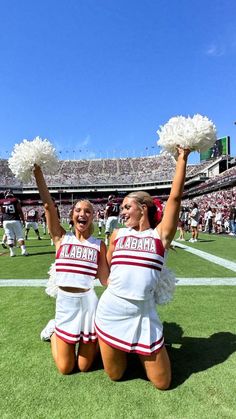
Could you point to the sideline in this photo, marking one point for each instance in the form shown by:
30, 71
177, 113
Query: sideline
180, 281
204, 255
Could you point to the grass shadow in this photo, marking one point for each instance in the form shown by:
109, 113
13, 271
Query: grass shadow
30, 246
196, 354
134, 369
205, 241
41, 253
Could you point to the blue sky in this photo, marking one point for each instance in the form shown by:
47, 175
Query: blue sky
98, 77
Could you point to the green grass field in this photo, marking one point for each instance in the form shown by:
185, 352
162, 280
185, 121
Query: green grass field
199, 323
184, 265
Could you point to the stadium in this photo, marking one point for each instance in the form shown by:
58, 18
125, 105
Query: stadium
211, 182
202, 352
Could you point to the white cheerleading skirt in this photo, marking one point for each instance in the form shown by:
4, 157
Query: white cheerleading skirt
129, 325
75, 314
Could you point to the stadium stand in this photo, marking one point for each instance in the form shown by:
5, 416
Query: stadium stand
97, 178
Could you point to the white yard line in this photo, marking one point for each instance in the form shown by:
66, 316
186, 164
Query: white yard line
180, 281
204, 255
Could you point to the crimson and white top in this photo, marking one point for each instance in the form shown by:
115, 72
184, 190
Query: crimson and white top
77, 262
136, 263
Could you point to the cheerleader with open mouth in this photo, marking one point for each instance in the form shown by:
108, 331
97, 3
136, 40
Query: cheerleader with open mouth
80, 258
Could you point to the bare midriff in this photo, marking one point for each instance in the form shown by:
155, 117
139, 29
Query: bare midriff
72, 289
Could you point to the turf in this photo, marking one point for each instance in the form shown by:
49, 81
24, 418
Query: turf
202, 354
217, 244
184, 264
199, 324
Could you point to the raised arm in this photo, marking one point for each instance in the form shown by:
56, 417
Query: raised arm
55, 229
167, 227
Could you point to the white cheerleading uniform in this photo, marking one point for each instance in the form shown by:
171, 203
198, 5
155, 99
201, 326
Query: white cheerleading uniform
77, 262
126, 316
76, 266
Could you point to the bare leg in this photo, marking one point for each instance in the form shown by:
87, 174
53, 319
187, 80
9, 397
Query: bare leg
158, 369
86, 355
63, 354
114, 361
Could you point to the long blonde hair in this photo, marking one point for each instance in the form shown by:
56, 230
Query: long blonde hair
141, 198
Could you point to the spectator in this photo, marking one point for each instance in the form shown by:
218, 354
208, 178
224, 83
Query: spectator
111, 216
194, 218
209, 221
181, 224
218, 221
232, 220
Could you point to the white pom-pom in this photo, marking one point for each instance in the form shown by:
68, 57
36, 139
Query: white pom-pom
165, 287
28, 153
51, 287
197, 133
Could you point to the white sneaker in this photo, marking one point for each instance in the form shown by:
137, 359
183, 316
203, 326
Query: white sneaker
191, 240
48, 330
12, 253
24, 253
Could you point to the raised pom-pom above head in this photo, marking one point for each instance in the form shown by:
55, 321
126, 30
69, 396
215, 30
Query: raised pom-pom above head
28, 153
197, 133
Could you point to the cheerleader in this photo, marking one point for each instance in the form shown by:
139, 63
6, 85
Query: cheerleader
126, 318
80, 258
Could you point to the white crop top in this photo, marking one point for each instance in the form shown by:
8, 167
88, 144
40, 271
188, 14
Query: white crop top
136, 263
77, 262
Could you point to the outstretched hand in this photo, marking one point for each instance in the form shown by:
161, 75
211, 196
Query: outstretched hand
36, 169
184, 152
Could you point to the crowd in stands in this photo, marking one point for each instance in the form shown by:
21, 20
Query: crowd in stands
93, 172
7, 178
213, 192
217, 181
102, 171
220, 202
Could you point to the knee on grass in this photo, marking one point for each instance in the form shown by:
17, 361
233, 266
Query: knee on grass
114, 374
162, 383
65, 368
85, 365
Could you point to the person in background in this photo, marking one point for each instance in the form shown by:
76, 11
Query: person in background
71, 222
44, 223
181, 224
194, 219
4, 237
232, 220
218, 221
112, 211
13, 218
31, 221
209, 220
100, 220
